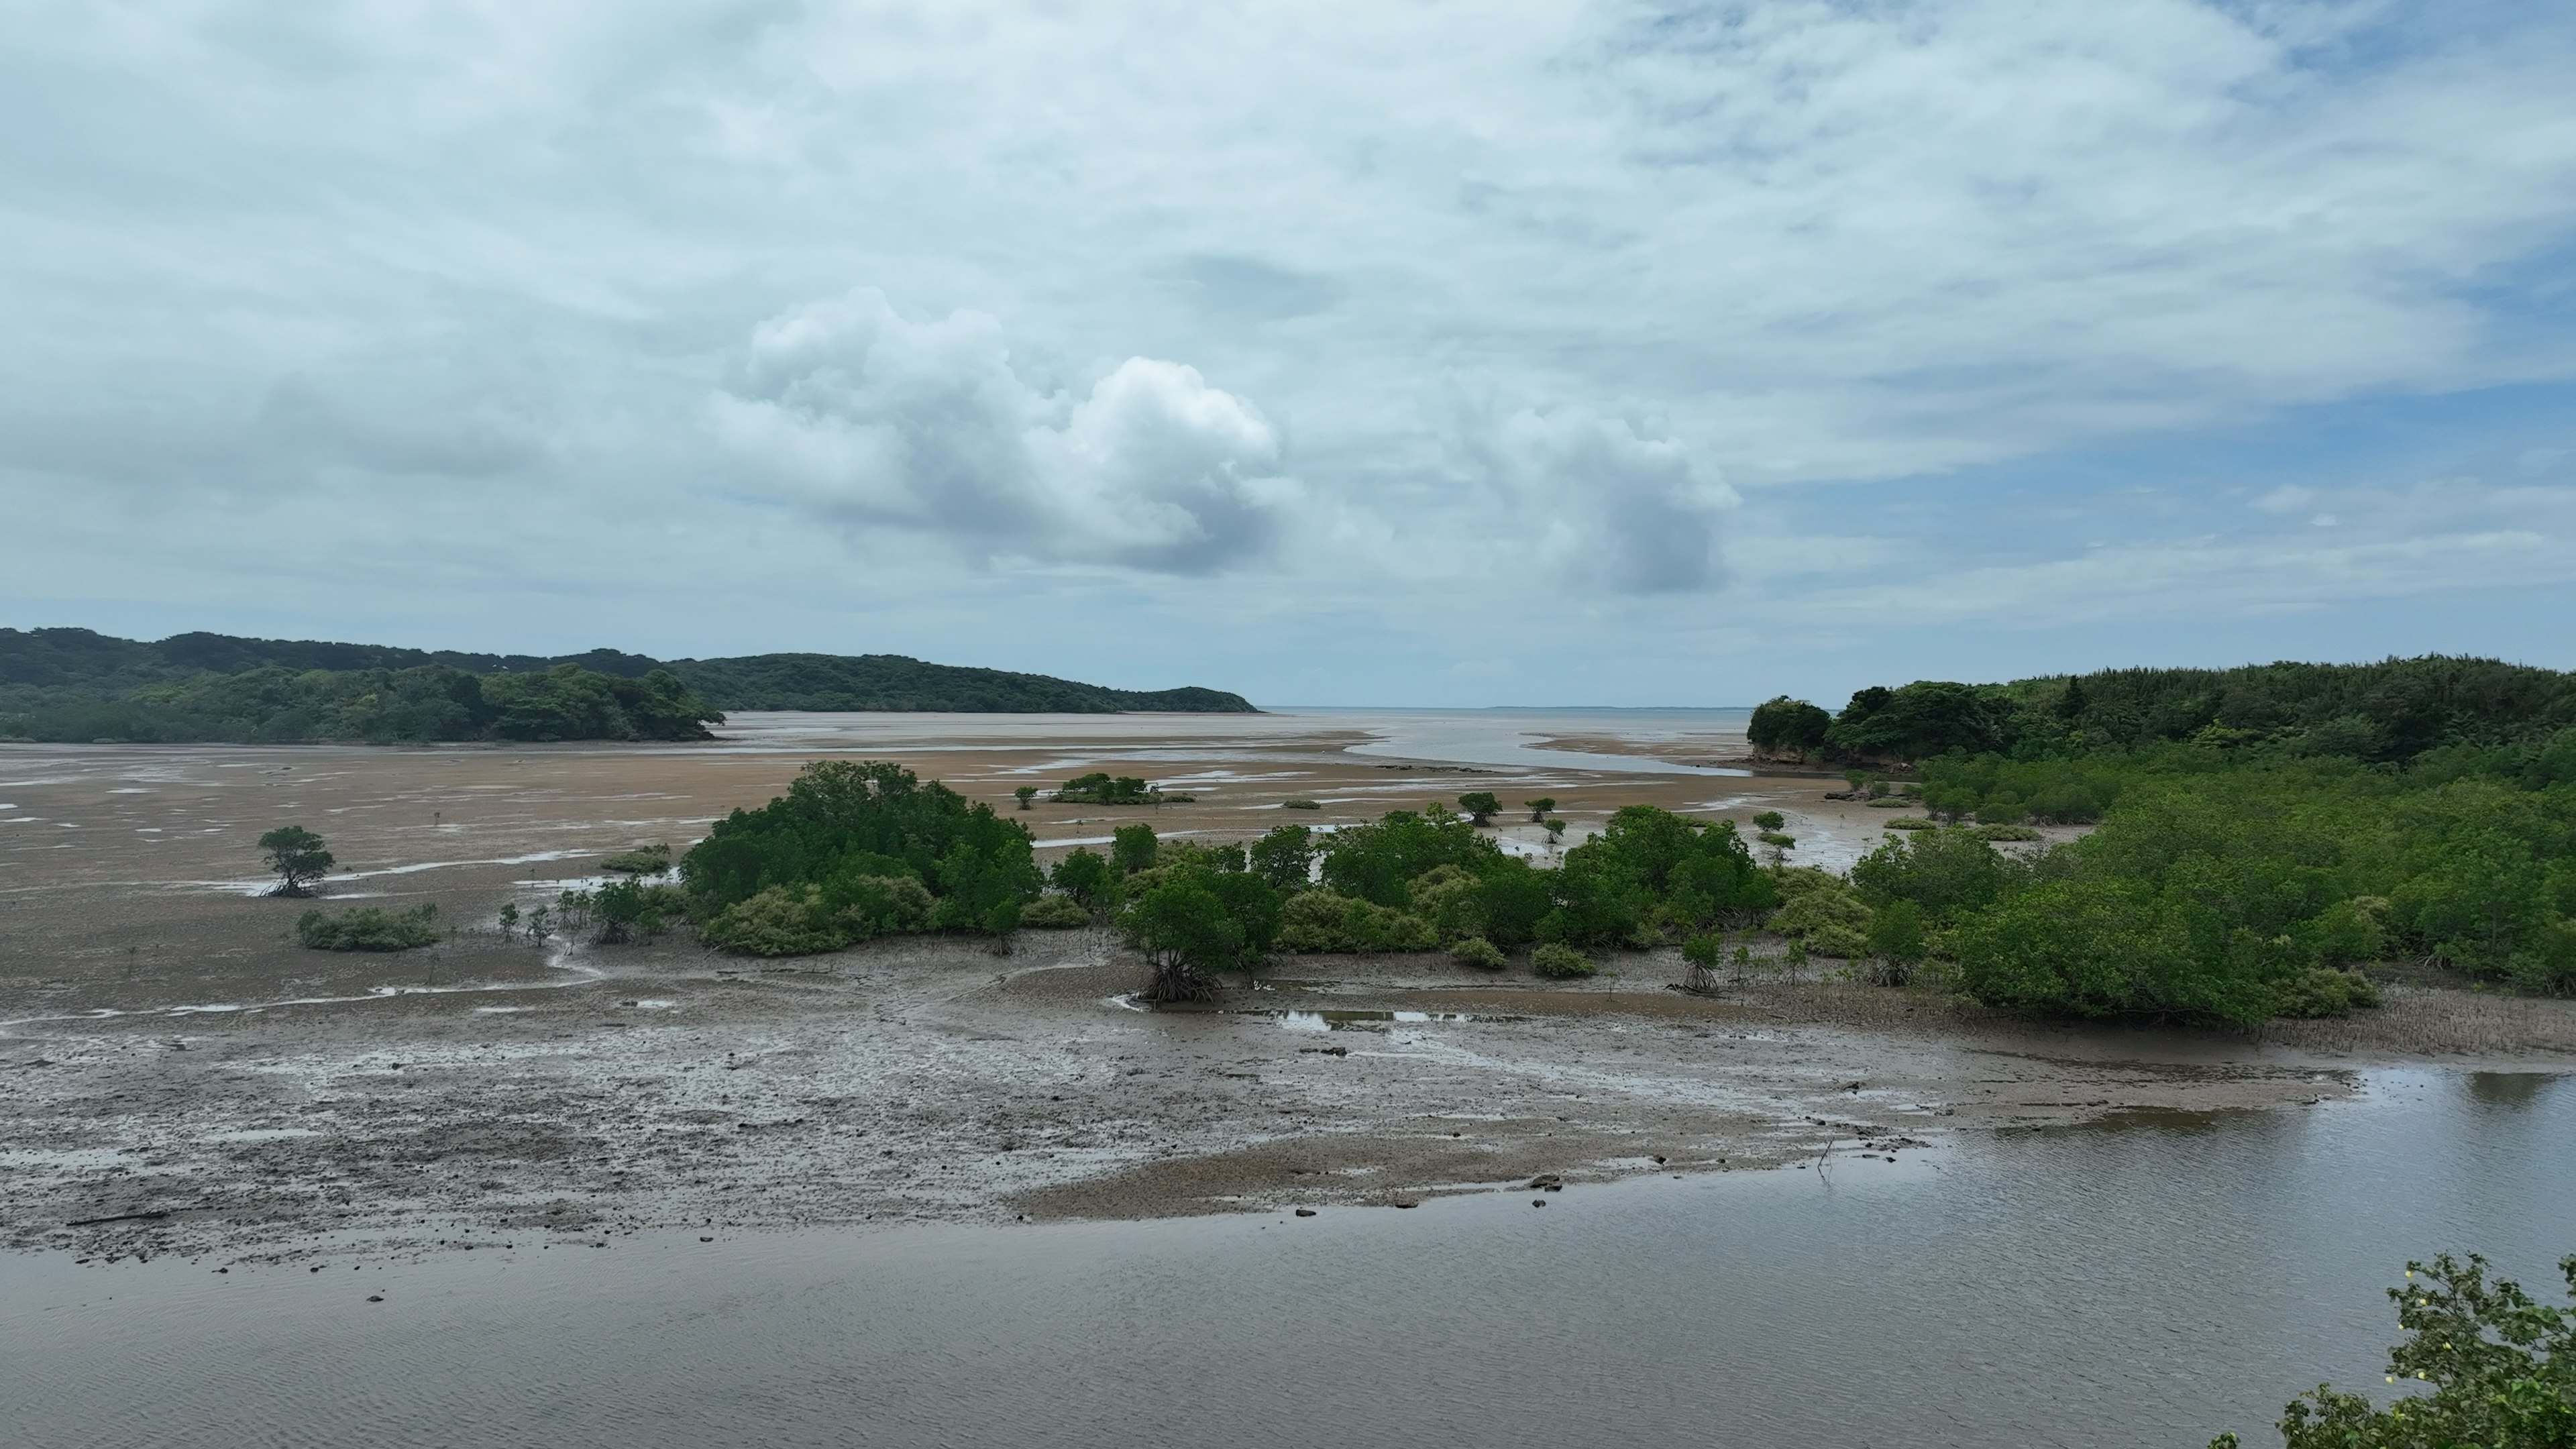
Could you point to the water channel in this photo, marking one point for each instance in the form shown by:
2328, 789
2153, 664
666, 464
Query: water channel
2147, 1281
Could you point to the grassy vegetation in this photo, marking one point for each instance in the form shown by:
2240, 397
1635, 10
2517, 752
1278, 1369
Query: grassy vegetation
368, 928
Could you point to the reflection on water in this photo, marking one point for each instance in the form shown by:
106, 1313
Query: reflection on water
2511, 1089
2148, 1284
1366, 1020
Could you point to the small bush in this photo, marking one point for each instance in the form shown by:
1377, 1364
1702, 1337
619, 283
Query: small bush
1827, 918
2008, 832
1893, 802
1299, 805
1909, 822
2322, 991
1054, 913
780, 921
1478, 952
1774, 837
1323, 920
1770, 820
642, 860
367, 929
1562, 962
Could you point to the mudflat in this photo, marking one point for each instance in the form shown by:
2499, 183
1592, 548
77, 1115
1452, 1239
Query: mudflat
182, 1078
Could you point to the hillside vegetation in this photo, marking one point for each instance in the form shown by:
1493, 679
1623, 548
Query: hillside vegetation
75, 685
2389, 712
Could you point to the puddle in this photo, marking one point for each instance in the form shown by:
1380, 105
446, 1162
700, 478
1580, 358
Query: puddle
1365, 1020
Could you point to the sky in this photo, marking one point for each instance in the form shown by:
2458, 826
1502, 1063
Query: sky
1397, 353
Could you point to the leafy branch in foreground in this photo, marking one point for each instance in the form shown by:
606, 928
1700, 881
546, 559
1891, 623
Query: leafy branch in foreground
2500, 1369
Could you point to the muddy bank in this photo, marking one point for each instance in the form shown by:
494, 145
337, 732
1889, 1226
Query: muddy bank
662, 1087
179, 1077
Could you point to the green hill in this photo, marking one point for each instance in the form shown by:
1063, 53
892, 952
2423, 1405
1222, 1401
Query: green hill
78, 685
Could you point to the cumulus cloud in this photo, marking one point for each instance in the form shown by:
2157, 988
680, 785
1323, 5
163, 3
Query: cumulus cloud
1629, 513
848, 407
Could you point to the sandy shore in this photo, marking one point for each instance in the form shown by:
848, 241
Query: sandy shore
169, 1053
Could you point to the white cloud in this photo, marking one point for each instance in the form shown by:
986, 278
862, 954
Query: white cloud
926, 425
1185, 290
1630, 514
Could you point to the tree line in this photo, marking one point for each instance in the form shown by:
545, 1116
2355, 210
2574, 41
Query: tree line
419, 705
2390, 712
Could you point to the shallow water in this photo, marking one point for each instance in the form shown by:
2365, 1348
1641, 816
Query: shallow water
2145, 1282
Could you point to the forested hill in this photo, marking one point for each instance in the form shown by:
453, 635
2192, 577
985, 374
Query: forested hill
51, 668
893, 682
2389, 712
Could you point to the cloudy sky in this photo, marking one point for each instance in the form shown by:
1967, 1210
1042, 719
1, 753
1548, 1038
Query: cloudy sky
1371, 353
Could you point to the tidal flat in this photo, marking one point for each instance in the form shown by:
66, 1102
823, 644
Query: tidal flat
184, 1081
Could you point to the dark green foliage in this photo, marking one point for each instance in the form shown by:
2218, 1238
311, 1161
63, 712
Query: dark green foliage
1024, 794
1942, 873
628, 909
1099, 788
1133, 848
378, 706
854, 850
2500, 1370
1377, 862
1285, 857
297, 856
1649, 871
1770, 820
569, 702
1480, 806
1785, 726
1895, 935
1539, 807
75, 685
1194, 916
1085, 876
2065, 791
1480, 953
2395, 711
1301, 805
893, 682
1562, 962
1922, 719
368, 928
1054, 913
642, 860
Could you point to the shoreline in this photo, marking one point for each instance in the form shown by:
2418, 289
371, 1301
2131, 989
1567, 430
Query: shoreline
928, 1081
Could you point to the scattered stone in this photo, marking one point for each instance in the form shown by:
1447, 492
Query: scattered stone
1538, 1202
375, 1298
1305, 1212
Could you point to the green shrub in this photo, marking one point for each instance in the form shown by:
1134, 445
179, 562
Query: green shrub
1054, 913
1299, 805
779, 921
642, 860
1325, 920
1770, 820
1562, 961
1829, 919
367, 928
1893, 802
2322, 991
2008, 832
1774, 837
1478, 952
1909, 822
